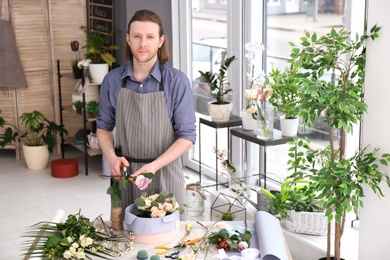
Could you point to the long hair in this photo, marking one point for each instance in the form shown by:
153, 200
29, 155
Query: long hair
149, 16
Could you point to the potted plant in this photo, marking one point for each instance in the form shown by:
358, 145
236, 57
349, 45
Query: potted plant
285, 97
78, 105
338, 180
93, 108
77, 72
219, 109
36, 133
99, 51
297, 206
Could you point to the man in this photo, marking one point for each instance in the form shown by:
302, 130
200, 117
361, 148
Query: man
152, 107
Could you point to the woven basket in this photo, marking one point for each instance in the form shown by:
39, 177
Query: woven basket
312, 223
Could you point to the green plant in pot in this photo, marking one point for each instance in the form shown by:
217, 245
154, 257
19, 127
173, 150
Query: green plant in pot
292, 196
99, 50
338, 180
93, 108
285, 97
98, 47
78, 104
34, 130
219, 88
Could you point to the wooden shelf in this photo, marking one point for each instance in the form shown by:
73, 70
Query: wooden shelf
91, 152
70, 109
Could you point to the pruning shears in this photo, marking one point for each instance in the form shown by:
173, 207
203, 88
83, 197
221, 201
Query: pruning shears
167, 251
176, 249
188, 231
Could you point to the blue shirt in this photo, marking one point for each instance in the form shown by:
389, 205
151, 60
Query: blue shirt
177, 90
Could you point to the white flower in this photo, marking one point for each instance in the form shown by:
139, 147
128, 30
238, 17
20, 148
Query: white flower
158, 213
168, 207
188, 257
83, 63
253, 47
80, 254
153, 197
70, 239
67, 254
148, 202
75, 245
85, 241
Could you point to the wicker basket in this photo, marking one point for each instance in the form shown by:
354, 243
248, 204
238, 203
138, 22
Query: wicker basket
312, 223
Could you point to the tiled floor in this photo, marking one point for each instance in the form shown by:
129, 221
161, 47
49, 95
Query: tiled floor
28, 197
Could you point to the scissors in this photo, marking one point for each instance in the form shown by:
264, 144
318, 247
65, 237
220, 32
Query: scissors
167, 251
175, 250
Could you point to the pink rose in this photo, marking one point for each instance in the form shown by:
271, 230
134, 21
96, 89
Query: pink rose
242, 245
142, 182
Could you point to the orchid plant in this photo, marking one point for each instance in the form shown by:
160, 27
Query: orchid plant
258, 92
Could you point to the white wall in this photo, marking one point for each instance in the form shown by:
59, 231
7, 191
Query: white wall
375, 216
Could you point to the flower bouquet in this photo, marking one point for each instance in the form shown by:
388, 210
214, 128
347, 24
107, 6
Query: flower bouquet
76, 238
154, 218
141, 181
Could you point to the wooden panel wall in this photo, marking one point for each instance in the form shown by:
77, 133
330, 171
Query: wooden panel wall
43, 31
66, 18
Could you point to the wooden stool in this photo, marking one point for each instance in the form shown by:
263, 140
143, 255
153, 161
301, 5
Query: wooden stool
64, 168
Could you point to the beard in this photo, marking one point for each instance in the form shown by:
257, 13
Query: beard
141, 58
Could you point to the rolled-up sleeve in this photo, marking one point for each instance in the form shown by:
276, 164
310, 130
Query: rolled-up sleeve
182, 104
109, 91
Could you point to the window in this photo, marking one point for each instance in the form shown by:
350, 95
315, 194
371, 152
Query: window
285, 21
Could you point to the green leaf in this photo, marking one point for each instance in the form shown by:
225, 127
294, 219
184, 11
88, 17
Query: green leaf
149, 175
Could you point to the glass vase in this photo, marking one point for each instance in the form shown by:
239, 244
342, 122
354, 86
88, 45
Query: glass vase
239, 188
264, 124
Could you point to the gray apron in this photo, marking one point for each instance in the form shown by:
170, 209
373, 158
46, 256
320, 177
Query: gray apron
144, 132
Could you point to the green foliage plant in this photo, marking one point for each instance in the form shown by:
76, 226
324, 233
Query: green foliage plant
292, 196
338, 180
93, 106
285, 91
34, 130
98, 51
78, 104
218, 81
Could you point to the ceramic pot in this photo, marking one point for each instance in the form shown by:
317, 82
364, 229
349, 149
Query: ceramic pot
289, 127
97, 72
220, 112
247, 120
36, 157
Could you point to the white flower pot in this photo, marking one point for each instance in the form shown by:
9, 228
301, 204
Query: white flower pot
97, 72
36, 157
289, 127
247, 120
220, 113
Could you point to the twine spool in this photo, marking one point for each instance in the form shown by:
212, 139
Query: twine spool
117, 219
